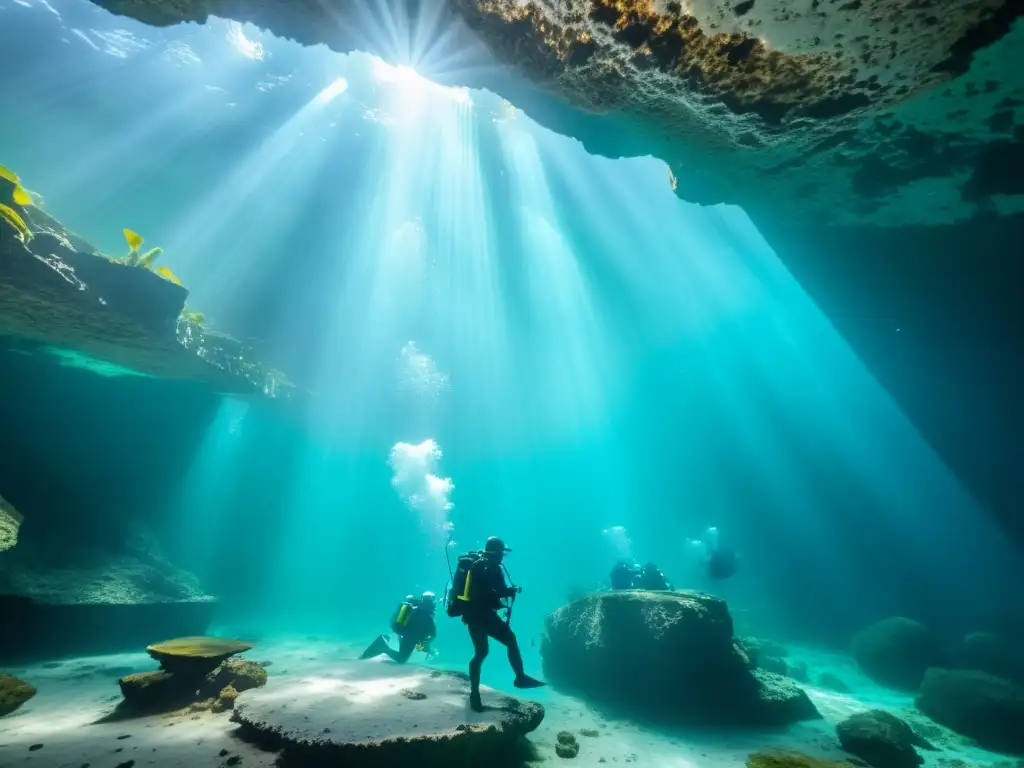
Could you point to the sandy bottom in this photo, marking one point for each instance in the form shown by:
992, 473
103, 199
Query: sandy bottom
58, 728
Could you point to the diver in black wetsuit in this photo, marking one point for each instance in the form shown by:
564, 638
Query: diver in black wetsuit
487, 590
651, 578
624, 575
413, 622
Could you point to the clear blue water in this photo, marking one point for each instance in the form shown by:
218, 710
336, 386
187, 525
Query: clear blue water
499, 334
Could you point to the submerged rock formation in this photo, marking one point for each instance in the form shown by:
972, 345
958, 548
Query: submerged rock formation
666, 655
988, 709
130, 570
13, 693
882, 739
381, 714
868, 111
10, 522
60, 293
896, 652
194, 671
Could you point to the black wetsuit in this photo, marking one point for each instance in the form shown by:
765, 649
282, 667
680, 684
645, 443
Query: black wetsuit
487, 589
623, 576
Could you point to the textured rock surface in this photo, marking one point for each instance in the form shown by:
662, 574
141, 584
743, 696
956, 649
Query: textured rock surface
238, 674
665, 654
882, 739
130, 571
195, 657
988, 709
896, 652
992, 653
10, 523
788, 759
13, 693
63, 298
874, 111
374, 714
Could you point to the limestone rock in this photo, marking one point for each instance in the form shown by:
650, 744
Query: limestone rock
780, 701
882, 739
195, 657
238, 674
985, 708
131, 571
992, 653
896, 652
10, 522
566, 745
870, 112
358, 712
156, 691
665, 654
788, 759
13, 693
225, 700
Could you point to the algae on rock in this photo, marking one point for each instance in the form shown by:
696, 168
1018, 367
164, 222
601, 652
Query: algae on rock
10, 523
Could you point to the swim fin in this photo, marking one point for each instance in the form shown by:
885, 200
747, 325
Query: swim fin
525, 681
376, 648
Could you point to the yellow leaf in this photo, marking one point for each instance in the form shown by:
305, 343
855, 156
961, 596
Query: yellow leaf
167, 274
12, 217
134, 239
21, 196
11, 176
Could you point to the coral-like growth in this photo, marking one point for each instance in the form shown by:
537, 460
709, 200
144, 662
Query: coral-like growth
239, 674
10, 522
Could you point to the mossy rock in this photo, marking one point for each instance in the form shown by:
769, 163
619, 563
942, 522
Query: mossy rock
198, 648
782, 759
13, 693
195, 657
238, 674
157, 691
226, 700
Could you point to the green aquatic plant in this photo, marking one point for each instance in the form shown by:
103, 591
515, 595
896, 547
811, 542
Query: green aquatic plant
191, 316
145, 260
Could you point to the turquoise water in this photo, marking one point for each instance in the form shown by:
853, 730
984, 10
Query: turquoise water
498, 334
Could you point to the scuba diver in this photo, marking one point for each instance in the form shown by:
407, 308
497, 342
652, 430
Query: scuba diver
477, 593
624, 575
719, 562
651, 578
413, 622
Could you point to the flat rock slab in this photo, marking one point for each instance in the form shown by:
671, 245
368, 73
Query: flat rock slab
377, 713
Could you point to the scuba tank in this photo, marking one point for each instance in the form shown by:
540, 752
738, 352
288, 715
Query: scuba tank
459, 591
401, 615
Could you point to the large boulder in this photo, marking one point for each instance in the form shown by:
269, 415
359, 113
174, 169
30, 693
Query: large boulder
381, 714
989, 652
896, 652
13, 693
665, 654
882, 739
978, 705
